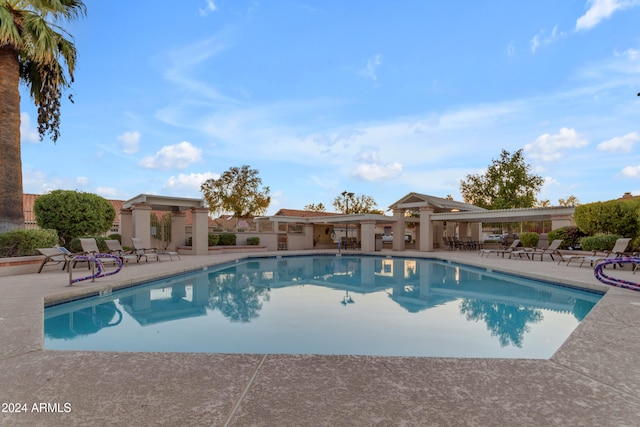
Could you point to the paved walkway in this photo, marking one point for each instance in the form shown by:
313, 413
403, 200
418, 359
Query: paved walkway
592, 380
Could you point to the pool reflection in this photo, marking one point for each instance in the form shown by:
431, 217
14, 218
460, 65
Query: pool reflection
508, 306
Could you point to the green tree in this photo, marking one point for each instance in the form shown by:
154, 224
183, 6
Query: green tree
73, 214
34, 50
238, 191
508, 183
315, 208
351, 203
569, 201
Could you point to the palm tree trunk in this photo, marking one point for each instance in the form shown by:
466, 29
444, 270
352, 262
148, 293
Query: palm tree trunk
11, 211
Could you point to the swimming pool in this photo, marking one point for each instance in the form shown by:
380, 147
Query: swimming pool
358, 305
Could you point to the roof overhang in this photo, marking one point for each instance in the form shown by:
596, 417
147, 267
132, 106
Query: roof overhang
164, 203
506, 215
336, 219
413, 201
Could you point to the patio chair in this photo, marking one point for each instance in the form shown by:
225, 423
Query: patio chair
509, 250
115, 248
551, 250
142, 252
447, 244
54, 255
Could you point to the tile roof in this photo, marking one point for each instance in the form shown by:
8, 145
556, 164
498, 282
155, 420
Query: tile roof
303, 213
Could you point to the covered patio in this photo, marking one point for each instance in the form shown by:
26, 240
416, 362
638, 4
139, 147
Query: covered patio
435, 217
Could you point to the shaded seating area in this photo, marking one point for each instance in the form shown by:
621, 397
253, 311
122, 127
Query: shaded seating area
455, 243
350, 243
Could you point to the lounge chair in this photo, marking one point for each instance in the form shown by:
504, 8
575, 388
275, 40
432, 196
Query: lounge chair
90, 247
142, 252
617, 251
55, 255
551, 250
509, 250
115, 248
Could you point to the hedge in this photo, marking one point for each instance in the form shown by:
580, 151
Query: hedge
599, 242
25, 242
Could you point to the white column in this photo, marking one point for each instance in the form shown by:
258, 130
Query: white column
398, 230
368, 235
426, 230
142, 223
200, 231
178, 232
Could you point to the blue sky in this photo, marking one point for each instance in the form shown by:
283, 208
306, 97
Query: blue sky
376, 98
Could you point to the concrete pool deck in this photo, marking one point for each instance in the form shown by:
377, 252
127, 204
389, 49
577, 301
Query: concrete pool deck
593, 379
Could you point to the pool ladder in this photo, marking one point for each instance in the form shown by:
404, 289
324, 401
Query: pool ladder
95, 263
613, 281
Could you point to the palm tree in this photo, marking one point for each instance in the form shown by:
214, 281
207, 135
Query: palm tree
33, 50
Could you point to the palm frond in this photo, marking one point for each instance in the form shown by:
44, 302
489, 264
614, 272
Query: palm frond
9, 31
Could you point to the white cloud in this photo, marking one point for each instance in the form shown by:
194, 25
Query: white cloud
511, 49
631, 171
601, 9
130, 142
28, 132
541, 39
82, 181
549, 147
208, 8
369, 70
177, 156
620, 144
107, 192
190, 182
377, 172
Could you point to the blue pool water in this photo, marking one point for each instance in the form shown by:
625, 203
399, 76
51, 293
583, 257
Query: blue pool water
328, 305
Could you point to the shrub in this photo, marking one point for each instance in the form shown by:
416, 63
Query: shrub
227, 239
25, 242
599, 242
73, 214
254, 241
570, 236
115, 236
75, 245
529, 239
214, 239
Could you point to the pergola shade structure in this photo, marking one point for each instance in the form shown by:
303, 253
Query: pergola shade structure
135, 220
